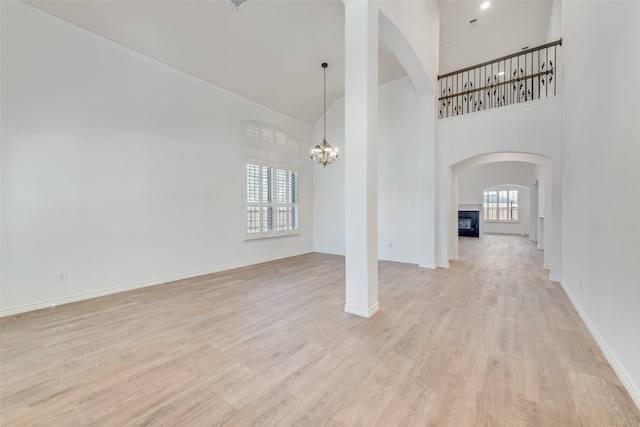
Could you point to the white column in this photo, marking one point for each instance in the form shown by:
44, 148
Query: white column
427, 183
453, 213
360, 157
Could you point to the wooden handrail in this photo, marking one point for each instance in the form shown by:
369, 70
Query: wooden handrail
513, 55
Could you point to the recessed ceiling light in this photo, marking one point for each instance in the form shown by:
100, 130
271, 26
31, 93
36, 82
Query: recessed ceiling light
485, 5
234, 4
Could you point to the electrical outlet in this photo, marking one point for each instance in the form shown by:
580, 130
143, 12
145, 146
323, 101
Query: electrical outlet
62, 276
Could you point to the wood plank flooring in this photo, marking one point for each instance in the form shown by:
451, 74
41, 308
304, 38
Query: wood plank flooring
489, 341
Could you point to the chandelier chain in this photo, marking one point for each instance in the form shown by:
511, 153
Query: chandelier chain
324, 153
324, 103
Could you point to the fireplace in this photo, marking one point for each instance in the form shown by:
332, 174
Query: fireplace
468, 223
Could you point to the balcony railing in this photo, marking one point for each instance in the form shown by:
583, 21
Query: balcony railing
520, 77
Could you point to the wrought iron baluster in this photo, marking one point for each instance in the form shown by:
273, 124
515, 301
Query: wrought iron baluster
520, 77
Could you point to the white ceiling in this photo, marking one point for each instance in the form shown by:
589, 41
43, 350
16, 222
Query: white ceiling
270, 51
504, 28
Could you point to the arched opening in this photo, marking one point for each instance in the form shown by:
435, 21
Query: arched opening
540, 179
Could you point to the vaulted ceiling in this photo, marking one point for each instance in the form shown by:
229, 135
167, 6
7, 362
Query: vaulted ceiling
270, 51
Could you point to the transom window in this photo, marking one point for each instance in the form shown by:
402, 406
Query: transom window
500, 205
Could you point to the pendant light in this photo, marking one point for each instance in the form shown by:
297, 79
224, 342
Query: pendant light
324, 154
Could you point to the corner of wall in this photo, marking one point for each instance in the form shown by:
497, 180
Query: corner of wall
623, 376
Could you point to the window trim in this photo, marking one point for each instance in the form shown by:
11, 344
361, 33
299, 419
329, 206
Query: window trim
294, 207
268, 146
498, 208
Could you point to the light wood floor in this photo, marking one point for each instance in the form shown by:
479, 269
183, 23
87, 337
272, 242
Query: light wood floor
489, 341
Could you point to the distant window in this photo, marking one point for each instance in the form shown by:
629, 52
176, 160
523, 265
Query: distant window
500, 205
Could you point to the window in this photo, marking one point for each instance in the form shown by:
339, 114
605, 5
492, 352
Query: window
272, 199
271, 181
500, 205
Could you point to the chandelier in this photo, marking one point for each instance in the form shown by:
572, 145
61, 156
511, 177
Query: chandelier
324, 154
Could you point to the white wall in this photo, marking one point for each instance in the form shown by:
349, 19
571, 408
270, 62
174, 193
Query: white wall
411, 31
117, 169
416, 45
539, 176
328, 188
554, 30
601, 198
539, 206
398, 215
419, 23
473, 181
398, 181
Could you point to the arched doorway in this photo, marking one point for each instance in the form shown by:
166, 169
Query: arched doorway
543, 179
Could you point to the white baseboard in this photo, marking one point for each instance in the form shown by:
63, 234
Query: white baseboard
321, 251
361, 311
634, 391
402, 260
431, 266
553, 278
136, 285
